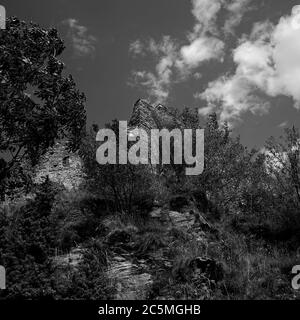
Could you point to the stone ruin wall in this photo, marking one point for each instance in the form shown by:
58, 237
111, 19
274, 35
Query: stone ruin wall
61, 166
65, 168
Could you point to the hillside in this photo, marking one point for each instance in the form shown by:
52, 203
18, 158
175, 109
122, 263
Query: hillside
127, 232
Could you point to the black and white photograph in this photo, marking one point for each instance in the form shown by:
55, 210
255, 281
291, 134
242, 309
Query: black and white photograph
149, 151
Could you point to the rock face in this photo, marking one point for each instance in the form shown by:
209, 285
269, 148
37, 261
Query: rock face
60, 166
65, 168
130, 280
143, 117
71, 259
147, 117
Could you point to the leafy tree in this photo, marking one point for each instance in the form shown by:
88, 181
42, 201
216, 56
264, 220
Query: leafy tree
125, 187
27, 242
38, 104
226, 164
283, 162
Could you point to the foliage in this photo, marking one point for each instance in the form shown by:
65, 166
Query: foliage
29, 241
128, 187
38, 104
251, 198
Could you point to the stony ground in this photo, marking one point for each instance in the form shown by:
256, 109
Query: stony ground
138, 258
139, 255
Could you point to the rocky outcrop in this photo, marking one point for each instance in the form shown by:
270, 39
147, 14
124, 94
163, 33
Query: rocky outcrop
143, 117
69, 260
130, 279
182, 220
64, 167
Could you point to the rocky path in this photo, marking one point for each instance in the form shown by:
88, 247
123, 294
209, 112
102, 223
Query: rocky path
131, 271
131, 276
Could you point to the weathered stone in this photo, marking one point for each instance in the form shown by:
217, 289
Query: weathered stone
61, 166
143, 117
156, 213
181, 220
147, 117
129, 282
71, 259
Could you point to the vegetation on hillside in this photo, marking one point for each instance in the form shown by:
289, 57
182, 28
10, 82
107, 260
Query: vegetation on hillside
246, 204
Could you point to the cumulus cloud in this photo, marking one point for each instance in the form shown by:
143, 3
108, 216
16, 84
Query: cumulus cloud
205, 12
136, 47
173, 63
236, 10
267, 62
283, 124
201, 49
176, 62
83, 43
157, 83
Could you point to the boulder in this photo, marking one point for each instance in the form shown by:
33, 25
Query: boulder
181, 220
156, 213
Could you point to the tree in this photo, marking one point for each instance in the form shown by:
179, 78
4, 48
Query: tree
27, 242
226, 164
128, 187
283, 160
38, 104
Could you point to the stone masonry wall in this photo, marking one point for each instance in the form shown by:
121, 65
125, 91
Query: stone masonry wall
60, 166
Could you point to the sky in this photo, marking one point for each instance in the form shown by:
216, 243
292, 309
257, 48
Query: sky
238, 58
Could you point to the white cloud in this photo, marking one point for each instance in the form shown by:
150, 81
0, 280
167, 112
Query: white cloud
205, 12
234, 96
201, 49
157, 83
176, 62
283, 124
173, 63
157, 88
83, 43
268, 62
197, 75
136, 48
236, 10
